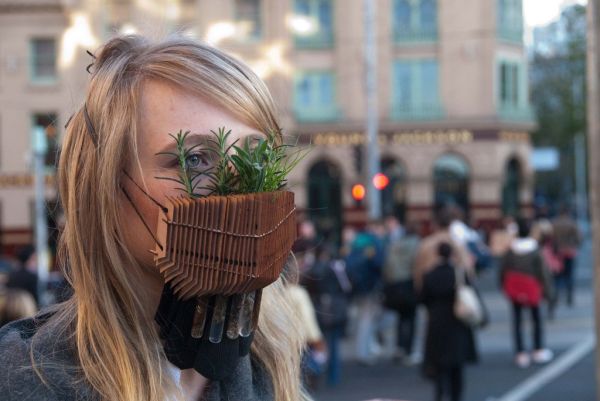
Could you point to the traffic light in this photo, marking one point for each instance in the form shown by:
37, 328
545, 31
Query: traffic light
380, 181
358, 192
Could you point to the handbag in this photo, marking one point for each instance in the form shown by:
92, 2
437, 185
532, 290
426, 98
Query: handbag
467, 306
522, 288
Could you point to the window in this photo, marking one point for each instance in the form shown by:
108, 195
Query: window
393, 196
416, 90
509, 19
415, 20
324, 190
317, 23
509, 84
43, 60
512, 90
451, 182
48, 122
314, 96
248, 17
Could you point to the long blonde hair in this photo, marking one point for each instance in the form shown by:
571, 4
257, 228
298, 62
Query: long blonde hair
118, 351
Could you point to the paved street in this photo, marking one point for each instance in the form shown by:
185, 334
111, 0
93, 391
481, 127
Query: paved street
495, 378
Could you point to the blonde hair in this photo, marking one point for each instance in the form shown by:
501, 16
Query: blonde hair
119, 352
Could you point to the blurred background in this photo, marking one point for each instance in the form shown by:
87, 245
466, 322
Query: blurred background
408, 106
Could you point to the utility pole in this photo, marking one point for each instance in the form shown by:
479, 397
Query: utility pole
40, 148
593, 98
372, 149
581, 197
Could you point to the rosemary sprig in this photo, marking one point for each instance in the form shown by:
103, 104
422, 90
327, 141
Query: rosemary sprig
258, 165
187, 175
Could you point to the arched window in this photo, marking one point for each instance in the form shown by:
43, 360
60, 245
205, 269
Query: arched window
451, 182
393, 196
511, 188
325, 199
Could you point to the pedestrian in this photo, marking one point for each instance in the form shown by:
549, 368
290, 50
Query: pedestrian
363, 263
568, 240
467, 237
104, 342
315, 350
16, 304
399, 292
428, 256
525, 280
331, 299
449, 342
550, 256
25, 276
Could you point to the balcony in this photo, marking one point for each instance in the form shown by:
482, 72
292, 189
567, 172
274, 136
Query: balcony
408, 35
317, 40
423, 112
515, 113
512, 34
317, 114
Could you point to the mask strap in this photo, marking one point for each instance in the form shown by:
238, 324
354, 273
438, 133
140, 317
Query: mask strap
142, 219
157, 203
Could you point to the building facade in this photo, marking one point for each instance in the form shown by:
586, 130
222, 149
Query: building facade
454, 114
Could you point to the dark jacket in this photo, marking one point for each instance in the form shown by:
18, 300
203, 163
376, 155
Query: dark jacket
524, 256
23, 279
448, 342
56, 357
330, 294
364, 263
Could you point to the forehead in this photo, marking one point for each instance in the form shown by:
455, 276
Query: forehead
167, 109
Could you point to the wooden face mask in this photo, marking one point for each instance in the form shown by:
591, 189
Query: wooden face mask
224, 244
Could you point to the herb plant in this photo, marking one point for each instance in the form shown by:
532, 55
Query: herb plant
187, 174
258, 165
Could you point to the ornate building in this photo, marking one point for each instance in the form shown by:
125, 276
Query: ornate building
454, 114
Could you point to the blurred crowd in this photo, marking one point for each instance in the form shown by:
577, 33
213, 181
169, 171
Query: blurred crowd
21, 293
389, 269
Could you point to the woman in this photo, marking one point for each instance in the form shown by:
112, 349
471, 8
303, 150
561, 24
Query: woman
449, 343
103, 343
526, 279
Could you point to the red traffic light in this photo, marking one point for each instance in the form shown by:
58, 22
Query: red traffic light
380, 181
358, 192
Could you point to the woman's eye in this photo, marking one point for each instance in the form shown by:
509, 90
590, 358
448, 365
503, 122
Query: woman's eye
196, 160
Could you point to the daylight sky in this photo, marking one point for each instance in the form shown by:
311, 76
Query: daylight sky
541, 12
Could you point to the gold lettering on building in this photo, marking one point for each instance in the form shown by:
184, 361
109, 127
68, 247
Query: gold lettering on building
512, 136
416, 137
22, 180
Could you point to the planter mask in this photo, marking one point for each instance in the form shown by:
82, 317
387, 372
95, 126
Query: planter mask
216, 255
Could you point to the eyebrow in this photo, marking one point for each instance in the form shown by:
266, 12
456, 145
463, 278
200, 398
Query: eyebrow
197, 138
191, 138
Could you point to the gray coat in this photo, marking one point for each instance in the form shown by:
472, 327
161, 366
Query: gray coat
18, 380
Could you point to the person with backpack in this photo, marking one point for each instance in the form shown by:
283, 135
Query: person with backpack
398, 288
363, 265
525, 279
568, 240
449, 341
331, 299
